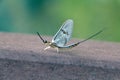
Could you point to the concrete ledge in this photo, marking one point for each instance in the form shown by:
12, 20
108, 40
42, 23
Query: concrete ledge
28, 49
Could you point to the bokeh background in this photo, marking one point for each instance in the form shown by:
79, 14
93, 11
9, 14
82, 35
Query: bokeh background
46, 17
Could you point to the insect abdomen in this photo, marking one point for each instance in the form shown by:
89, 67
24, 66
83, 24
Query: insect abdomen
71, 46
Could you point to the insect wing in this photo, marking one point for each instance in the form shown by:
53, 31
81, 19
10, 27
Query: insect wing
64, 33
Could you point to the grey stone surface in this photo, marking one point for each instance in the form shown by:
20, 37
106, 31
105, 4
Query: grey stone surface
25, 70
22, 58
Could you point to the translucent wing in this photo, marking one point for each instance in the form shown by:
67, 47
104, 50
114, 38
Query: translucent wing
64, 33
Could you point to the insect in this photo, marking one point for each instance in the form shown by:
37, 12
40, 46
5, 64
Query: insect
63, 36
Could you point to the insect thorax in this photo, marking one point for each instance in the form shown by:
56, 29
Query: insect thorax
53, 45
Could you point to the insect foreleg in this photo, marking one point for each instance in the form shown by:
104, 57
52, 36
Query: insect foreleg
47, 48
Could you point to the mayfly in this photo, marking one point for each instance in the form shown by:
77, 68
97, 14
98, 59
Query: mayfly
63, 36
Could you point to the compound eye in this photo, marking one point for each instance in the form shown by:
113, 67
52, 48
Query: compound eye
45, 41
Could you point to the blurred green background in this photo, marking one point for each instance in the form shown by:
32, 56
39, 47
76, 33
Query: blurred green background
46, 17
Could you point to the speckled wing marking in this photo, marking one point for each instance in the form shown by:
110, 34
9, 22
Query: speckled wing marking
75, 44
64, 33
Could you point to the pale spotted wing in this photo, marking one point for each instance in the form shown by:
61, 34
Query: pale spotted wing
64, 33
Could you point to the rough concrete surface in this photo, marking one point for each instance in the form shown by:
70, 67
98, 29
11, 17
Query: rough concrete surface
22, 58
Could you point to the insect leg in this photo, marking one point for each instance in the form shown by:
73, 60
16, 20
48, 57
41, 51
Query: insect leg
57, 50
47, 48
